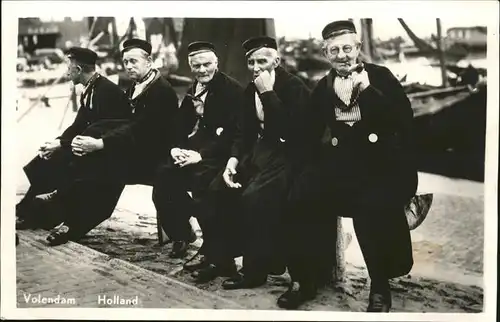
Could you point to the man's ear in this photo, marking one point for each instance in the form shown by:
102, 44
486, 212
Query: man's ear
277, 61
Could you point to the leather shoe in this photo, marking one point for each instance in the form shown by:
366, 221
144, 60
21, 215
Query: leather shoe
211, 272
196, 263
296, 296
59, 235
179, 249
379, 302
240, 281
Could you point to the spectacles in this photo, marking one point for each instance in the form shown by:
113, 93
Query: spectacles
346, 49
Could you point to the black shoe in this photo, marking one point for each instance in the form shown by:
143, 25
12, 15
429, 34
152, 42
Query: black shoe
296, 296
379, 302
211, 272
179, 249
195, 264
244, 281
59, 235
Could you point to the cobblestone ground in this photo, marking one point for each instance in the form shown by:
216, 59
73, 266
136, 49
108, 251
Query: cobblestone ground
73, 272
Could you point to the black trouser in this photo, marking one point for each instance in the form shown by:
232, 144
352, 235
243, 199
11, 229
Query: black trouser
172, 201
263, 196
87, 203
47, 175
315, 201
219, 224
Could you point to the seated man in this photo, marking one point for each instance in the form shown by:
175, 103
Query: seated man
261, 163
361, 166
135, 148
101, 102
205, 127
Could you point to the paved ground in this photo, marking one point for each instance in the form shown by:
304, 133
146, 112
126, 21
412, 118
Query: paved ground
73, 271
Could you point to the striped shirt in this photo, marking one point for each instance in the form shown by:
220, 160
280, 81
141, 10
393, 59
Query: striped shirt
343, 88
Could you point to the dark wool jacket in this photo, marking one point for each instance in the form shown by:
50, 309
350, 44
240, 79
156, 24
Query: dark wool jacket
284, 108
149, 134
216, 129
380, 147
108, 102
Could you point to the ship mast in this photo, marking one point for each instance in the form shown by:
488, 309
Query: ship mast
440, 49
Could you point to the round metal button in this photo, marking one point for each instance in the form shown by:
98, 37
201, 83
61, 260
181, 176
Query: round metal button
282, 140
373, 137
335, 141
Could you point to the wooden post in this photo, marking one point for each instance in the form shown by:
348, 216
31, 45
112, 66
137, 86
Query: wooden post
441, 53
339, 269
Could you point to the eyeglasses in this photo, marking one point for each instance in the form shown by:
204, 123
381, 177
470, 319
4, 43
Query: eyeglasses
346, 49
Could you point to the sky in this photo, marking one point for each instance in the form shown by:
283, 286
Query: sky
383, 28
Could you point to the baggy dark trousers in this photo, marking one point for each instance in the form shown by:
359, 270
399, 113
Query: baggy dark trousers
320, 194
259, 209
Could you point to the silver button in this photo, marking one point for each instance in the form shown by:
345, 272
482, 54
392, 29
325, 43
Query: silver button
373, 137
335, 141
282, 140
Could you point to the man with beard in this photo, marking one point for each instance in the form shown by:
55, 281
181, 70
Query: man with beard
138, 146
361, 166
102, 102
205, 127
261, 161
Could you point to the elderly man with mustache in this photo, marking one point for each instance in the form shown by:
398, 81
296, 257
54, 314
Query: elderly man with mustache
361, 166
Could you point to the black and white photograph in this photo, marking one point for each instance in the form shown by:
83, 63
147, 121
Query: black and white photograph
325, 160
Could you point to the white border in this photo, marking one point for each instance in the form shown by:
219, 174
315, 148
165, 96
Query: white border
375, 9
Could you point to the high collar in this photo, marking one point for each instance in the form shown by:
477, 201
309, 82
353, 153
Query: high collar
91, 80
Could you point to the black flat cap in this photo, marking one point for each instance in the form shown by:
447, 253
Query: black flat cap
253, 44
200, 46
82, 55
337, 26
137, 43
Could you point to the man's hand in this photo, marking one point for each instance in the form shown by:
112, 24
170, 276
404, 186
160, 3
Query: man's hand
191, 157
230, 172
48, 148
82, 145
178, 155
264, 82
361, 79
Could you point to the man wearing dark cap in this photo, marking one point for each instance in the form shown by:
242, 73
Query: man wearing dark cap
262, 158
101, 102
204, 129
141, 144
361, 166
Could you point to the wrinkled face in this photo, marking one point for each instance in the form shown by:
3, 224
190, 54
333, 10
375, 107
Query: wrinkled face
137, 63
261, 60
203, 66
342, 51
74, 72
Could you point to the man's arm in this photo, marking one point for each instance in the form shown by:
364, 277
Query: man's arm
231, 108
153, 128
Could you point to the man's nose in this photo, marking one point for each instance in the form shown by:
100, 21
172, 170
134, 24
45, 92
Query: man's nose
256, 68
202, 69
341, 55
